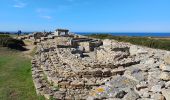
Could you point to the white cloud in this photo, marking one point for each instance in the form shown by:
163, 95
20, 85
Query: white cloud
42, 10
46, 17
19, 4
44, 13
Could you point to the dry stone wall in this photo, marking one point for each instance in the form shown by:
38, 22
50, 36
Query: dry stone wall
123, 72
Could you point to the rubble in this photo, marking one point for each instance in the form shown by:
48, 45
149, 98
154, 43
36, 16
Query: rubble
113, 71
166, 93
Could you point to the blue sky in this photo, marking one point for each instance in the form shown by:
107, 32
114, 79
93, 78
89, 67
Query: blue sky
86, 15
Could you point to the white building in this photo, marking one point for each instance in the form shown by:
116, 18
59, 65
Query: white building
61, 32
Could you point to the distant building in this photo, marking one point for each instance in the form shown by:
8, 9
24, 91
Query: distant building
61, 32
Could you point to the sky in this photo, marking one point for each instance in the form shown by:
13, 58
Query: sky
85, 15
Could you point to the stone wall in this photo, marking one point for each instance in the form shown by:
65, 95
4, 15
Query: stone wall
124, 72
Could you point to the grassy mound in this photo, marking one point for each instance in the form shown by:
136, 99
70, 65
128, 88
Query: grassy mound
7, 41
144, 41
15, 77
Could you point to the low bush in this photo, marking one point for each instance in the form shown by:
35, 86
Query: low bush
7, 41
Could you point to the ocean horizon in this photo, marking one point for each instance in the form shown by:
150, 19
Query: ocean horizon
140, 34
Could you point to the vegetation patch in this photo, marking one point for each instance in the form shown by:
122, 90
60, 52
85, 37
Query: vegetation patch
15, 78
144, 41
12, 43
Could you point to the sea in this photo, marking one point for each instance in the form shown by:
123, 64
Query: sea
140, 34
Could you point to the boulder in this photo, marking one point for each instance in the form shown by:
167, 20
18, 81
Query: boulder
153, 77
165, 76
135, 74
90, 98
143, 92
134, 50
142, 51
156, 88
59, 95
167, 60
116, 88
107, 73
64, 84
121, 82
119, 71
157, 96
167, 84
150, 61
97, 73
131, 95
77, 84
120, 94
146, 95
145, 99
141, 85
38, 85
165, 68
166, 93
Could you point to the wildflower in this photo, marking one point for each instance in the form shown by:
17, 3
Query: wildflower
100, 89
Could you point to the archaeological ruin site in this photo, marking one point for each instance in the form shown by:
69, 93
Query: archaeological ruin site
75, 67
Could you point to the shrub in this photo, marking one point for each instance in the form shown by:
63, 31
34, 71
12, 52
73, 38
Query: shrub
7, 41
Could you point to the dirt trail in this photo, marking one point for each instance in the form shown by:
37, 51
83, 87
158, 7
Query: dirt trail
30, 49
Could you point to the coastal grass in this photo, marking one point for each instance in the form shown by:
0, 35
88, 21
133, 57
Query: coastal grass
143, 41
15, 76
32, 53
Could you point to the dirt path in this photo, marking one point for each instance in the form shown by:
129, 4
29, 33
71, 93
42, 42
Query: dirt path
29, 45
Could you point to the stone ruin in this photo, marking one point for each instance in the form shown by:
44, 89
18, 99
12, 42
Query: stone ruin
113, 71
37, 37
61, 32
85, 44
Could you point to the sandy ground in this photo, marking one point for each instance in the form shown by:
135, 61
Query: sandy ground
30, 47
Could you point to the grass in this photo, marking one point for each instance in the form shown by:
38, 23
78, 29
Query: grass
33, 51
15, 77
144, 41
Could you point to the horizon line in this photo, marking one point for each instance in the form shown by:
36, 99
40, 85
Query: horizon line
88, 32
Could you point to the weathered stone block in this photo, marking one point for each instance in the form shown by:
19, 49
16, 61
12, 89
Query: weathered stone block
107, 73
165, 68
165, 76
166, 93
167, 59
97, 73
64, 84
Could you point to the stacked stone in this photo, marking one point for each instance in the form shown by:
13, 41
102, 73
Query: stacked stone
143, 74
56, 70
41, 85
148, 80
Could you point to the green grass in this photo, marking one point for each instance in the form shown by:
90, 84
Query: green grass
144, 41
33, 52
15, 77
